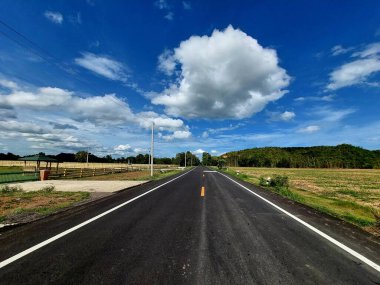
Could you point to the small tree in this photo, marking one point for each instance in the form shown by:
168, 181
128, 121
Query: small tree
222, 163
81, 156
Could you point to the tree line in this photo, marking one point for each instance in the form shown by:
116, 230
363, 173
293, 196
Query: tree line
81, 156
340, 156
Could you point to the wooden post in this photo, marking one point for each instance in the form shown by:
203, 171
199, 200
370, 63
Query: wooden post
64, 172
81, 172
93, 172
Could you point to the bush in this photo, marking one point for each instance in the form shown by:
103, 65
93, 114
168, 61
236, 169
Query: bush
48, 189
6, 189
275, 181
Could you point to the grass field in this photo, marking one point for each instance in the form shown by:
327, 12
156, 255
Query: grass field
16, 205
10, 169
350, 194
15, 173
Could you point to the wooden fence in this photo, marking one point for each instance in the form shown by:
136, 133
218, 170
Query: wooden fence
70, 173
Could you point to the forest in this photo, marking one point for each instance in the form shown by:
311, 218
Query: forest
340, 156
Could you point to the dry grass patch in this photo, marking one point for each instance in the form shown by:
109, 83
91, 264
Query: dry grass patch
19, 206
350, 194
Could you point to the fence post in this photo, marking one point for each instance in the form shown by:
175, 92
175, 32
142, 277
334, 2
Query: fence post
81, 172
64, 172
93, 172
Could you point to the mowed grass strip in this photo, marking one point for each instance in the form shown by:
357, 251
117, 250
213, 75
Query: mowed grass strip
18, 206
350, 194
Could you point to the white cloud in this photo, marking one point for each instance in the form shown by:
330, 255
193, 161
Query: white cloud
326, 98
285, 116
225, 75
103, 65
62, 110
162, 4
177, 135
42, 98
198, 151
329, 115
21, 127
357, 71
161, 122
8, 84
123, 147
140, 150
309, 129
231, 127
169, 16
370, 50
166, 62
338, 50
353, 73
54, 17
186, 5
214, 151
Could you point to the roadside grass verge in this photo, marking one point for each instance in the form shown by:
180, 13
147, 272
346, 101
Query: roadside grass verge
19, 206
351, 195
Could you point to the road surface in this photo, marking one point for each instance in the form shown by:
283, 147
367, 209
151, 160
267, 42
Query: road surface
200, 228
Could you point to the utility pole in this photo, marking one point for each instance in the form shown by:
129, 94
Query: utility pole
151, 151
185, 159
191, 160
87, 156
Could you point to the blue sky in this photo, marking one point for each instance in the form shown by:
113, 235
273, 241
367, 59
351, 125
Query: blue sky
214, 76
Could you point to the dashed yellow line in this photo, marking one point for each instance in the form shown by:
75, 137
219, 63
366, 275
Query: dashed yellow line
203, 191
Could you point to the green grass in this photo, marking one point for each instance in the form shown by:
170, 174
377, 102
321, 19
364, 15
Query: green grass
14, 202
351, 195
15, 174
7, 169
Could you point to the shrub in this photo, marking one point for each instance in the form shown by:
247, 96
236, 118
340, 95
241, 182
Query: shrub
48, 189
275, 181
264, 181
6, 189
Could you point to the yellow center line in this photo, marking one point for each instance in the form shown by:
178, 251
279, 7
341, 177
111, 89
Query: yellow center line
203, 191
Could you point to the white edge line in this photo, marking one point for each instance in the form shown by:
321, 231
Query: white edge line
322, 234
66, 232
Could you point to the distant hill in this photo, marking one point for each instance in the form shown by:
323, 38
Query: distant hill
340, 156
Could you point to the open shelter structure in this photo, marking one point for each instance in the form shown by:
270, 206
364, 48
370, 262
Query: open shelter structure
38, 159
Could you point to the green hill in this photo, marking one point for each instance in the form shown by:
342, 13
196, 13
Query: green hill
340, 156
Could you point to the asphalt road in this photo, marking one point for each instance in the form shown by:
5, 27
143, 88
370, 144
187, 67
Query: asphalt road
174, 235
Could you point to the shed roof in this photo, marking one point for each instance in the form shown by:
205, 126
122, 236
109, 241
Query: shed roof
38, 158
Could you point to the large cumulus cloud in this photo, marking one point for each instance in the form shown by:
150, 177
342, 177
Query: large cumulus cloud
225, 75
